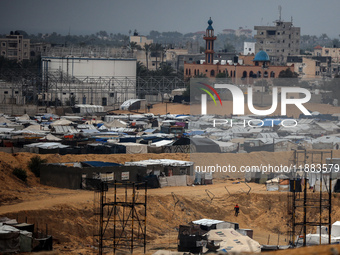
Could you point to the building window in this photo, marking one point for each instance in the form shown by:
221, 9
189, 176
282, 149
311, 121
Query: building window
278, 33
265, 74
244, 75
272, 74
3, 53
16, 92
3, 44
212, 73
259, 74
5, 92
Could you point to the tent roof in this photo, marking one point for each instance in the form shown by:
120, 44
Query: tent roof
230, 240
61, 122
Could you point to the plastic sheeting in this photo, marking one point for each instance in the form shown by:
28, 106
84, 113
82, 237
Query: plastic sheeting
135, 148
230, 240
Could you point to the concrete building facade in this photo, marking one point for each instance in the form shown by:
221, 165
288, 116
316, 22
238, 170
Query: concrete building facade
248, 48
279, 41
15, 47
140, 40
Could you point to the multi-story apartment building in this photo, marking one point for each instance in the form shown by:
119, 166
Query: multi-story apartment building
15, 47
279, 41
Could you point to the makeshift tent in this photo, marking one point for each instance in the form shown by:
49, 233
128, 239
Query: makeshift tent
227, 146
279, 183
3, 120
203, 145
51, 138
115, 124
135, 148
133, 104
15, 240
230, 241
61, 122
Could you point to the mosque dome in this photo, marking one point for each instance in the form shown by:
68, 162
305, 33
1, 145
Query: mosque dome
261, 56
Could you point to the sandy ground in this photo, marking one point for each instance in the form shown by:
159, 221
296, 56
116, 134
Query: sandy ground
227, 109
69, 213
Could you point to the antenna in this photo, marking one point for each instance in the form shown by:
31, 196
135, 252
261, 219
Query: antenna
280, 8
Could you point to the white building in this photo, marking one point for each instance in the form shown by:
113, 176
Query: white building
88, 80
248, 48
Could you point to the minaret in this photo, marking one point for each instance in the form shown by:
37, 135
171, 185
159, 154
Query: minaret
209, 43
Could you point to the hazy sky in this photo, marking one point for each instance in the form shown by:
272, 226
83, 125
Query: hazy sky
90, 16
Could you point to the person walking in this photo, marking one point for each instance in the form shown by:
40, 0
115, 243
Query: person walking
236, 209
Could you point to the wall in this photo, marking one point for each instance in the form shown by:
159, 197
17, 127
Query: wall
31, 110
88, 67
71, 177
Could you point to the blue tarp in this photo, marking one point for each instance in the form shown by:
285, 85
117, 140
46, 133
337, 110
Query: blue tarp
270, 122
150, 130
198, 132
100, 163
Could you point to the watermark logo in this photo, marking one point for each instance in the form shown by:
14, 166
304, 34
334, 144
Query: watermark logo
213, 90
239, 100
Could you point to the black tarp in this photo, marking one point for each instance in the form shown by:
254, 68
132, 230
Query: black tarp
337, 186
205, 145
298, 187
9, 242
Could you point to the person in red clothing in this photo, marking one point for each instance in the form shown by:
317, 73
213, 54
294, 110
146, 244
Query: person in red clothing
236, 209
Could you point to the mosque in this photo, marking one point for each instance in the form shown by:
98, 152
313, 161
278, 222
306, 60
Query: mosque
252, 67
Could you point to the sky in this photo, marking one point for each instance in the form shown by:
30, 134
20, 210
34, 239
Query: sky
184, 16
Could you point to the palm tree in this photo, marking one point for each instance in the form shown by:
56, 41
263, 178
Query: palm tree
147, 48
156, 48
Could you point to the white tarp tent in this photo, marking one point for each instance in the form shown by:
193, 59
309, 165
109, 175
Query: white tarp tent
229, 240
61, 122
135, 148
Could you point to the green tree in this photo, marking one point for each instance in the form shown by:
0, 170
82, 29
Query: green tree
288, 74
35, 165
157, 50
142, 71
221, 75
